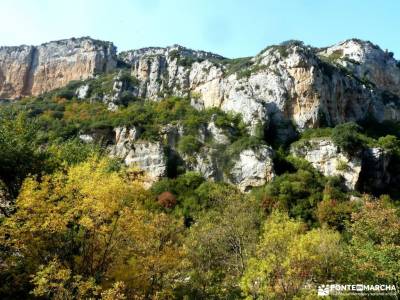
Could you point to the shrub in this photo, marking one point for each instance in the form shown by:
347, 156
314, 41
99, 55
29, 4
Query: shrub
68, 92
289, 258
174, 54
335, 55
347, 137
390, 143
237, 65
342, 165
299, 192
316, 132
184, 188
289, 43
188, 61
188, 144
334, 213
167, 200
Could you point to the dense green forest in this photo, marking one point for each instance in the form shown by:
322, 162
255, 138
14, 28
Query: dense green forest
84, 226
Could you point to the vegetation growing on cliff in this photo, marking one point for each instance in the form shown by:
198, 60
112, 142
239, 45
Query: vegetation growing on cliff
84, 225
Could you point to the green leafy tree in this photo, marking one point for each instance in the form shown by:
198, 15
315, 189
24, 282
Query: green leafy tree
347, 136
20, 153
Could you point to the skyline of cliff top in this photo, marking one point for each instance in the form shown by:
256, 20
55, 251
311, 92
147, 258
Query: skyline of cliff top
231, 30
119, 51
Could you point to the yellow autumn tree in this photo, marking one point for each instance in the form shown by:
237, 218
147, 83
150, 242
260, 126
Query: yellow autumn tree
291, 261
86, 223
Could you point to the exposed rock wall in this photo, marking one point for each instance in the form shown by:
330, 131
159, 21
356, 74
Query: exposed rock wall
253, 167
283, 85
32, 70
148, 156
376, 174
327, 158
372, 170
290, 82
368, 62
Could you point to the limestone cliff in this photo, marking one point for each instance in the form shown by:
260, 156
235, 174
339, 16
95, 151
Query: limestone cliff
287, 83
32, 70
368, 62
284, 82
372, 170
283, 88
327, 158
252, 167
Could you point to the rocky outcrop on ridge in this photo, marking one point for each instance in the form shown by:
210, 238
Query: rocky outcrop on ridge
33, 70
368, 62
281, 83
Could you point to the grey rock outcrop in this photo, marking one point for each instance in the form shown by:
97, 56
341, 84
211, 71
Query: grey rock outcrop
327, 158
32, 70
253, 168
206, 163
123, 91
372, 170
82, 91
148, 156
102, 136
282, 83
368, 62
217, 133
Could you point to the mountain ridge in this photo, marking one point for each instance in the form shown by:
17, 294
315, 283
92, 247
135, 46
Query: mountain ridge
345, 82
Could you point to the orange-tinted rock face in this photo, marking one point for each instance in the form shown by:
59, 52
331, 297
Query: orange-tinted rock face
32, 70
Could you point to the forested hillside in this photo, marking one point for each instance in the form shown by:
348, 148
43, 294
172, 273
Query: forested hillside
170, 173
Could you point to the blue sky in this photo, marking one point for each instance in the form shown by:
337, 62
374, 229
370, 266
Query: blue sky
232, 28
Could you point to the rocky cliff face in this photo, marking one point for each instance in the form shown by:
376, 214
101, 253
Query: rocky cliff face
285, 82
327, 158
371, 170
252, 167
288, 82
32, 70
368, 62
286, 87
